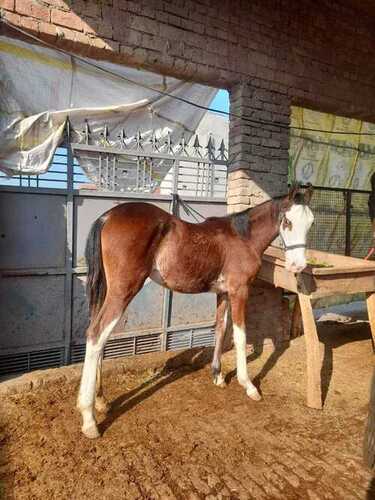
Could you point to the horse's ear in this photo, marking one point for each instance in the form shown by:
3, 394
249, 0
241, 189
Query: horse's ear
293, 190
308, 193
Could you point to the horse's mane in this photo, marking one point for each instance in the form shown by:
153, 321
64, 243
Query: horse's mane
241, 221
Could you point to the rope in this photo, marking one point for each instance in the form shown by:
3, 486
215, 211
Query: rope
190, 211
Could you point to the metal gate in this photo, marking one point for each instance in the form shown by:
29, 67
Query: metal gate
44, 223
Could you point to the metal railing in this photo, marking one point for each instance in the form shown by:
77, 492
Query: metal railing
140, 164
342, 223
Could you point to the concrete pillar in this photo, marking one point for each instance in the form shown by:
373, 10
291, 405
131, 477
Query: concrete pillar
258, 170
258, 152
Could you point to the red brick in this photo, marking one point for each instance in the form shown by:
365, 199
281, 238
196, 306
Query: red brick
33, 8
12, 18
7, 4
126, 50
68, 19
81, 38
102, 43
133, 37
47, 29
131, 6
66, 34
104, 29
58, 4
91, 9
144, 24
29, 23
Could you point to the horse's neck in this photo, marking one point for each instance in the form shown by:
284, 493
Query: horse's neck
264, 225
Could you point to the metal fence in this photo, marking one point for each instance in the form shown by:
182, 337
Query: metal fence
342, 223
44, 223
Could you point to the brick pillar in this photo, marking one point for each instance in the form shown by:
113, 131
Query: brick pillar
258, 154
258, 170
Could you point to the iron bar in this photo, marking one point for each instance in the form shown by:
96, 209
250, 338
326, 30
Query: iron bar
68, 296
135, 153
348, 208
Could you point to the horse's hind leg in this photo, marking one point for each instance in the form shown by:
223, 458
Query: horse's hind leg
97, 335
101, 404
220, 329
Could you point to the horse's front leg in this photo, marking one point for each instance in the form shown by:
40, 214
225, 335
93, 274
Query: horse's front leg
238, 300
220, 329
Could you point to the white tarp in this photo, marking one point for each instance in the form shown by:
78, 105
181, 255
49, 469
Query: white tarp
40, 88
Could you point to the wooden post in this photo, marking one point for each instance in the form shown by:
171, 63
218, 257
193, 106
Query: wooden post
296, 328
370, 299
314, 386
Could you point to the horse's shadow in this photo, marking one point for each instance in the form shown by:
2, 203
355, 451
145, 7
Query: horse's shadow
175, 368
278, 351
196, 359
333, 338
370, 493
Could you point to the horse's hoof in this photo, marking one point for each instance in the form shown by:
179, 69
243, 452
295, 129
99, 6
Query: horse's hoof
219, 380
102, 406
253, 394
91, 432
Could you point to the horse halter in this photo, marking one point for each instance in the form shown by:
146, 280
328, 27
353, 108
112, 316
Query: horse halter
287, 222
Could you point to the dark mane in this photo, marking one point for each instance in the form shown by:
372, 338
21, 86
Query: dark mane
240, 222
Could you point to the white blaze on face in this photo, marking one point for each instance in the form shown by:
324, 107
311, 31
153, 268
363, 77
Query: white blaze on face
301, 219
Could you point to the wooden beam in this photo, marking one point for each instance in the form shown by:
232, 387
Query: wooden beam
314, 386
370, 300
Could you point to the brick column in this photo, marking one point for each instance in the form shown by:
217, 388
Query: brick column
258, 170
258, 153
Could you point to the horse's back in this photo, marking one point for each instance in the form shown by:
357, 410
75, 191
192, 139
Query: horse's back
138, 210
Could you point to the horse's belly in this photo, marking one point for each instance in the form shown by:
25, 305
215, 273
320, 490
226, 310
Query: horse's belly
179, 282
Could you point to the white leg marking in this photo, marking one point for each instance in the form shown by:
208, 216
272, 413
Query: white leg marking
239, 336
86, 395
219, 380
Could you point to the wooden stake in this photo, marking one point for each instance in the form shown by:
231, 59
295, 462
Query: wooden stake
314, 386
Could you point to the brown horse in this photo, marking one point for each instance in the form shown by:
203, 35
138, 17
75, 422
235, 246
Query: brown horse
134, 241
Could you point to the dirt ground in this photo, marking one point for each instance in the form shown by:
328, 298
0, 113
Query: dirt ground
173, 434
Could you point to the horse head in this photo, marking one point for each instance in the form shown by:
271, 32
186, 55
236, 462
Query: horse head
296, 219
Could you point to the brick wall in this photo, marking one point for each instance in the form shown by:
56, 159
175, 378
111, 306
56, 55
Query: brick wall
258, 154
268, 53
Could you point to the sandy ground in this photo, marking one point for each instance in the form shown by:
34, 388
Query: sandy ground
173, 434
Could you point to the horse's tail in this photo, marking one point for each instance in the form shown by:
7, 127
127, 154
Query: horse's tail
96, 285
369, 441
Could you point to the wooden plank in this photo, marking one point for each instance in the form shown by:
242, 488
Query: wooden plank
277, 276
371, 315
343, 284
313, 356
341, 264
296, 328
